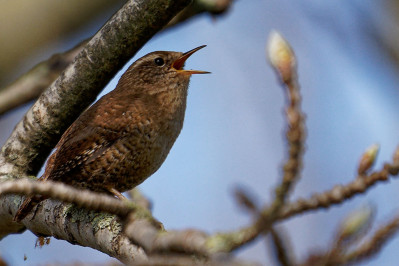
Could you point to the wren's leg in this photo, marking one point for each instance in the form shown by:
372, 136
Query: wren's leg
116, 193
121, 197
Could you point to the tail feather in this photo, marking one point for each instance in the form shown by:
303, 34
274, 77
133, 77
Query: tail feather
27, 205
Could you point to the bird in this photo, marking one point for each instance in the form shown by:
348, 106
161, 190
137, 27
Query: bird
125, 136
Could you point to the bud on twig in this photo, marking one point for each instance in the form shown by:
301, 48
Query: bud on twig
281, 56
245, 200
356, 223
368, 158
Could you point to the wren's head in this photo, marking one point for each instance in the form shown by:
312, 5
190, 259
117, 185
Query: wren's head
160, 71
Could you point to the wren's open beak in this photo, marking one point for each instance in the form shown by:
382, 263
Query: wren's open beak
179, 63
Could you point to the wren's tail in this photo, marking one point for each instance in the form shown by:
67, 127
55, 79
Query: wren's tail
30, 202
27, 205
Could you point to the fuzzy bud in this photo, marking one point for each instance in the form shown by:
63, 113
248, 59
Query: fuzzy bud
356, 223
368, 158
281, 56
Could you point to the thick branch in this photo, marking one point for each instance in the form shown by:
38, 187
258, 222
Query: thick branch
78, 226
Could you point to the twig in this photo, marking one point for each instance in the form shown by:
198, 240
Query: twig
213, 7
153, 240
281, 249
375, 244
279, 240
226, 242
352, 230
345, 250
283, 60
246, 200
337, 195
138, 198
368, 159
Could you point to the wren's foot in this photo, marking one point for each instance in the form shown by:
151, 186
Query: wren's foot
116, 193
119, 195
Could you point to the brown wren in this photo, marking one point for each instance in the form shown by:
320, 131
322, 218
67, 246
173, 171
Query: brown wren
126, 135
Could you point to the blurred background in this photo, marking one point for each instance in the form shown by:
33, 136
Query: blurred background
233, 134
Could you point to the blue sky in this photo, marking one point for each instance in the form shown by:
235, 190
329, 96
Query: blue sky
234, 126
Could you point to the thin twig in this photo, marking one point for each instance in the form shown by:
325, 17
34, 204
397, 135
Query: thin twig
283, 60
281, 248
350, 232
138, 198
336, 195
213, 7
228, 241
370, 248
279, 239
246, 200
153, 240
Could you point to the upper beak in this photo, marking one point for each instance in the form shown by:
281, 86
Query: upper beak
179, 63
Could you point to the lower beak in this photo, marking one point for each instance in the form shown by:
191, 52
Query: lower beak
179, 63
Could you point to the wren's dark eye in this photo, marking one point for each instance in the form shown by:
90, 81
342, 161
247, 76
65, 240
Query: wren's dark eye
159, 61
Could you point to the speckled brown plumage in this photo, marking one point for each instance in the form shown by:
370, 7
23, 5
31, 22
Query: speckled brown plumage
126, 135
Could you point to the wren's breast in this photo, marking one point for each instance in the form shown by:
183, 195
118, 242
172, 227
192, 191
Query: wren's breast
142, 145
136, 156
